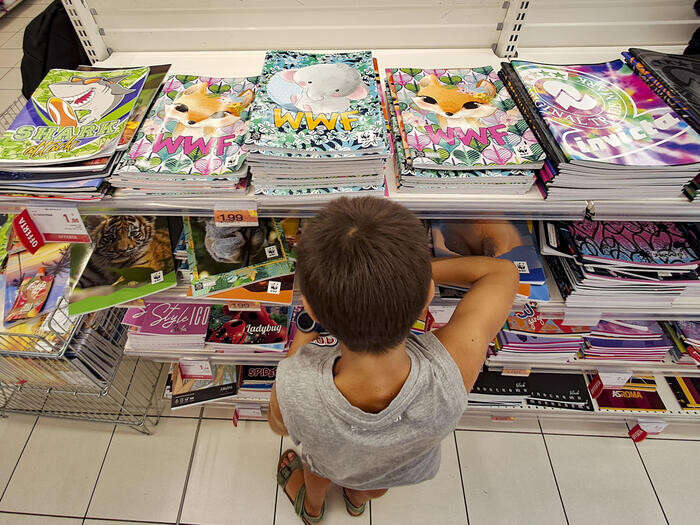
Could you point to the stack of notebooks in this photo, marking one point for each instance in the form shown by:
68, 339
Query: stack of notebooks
511, 240
66, 140
639, 394
536, 340
191, 143
459, 131
607, 135
627, 340
317, 126
164, 326
565, 391
607, 264
685, 336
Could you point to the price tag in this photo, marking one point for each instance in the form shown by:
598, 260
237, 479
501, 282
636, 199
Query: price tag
644, 428
517, 372
239, 306
191, 369
503, 419
59, 224
27, 232
246, 216
608, 380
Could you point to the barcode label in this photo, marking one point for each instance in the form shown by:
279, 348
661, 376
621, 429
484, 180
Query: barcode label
157, 277
522, 266
271, 251
274, 287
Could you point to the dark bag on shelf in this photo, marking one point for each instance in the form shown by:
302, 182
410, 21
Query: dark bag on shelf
50, 41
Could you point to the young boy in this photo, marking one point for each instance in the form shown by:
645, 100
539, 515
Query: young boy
370, 413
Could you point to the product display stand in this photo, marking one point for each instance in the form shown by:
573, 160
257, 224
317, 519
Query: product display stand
131, 33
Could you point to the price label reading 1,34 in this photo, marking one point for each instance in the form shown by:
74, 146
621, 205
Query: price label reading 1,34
225, 218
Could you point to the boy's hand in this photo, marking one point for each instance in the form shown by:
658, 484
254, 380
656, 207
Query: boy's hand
481, 313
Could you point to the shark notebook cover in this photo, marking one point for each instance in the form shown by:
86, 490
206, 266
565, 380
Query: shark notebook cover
71, 116
318, 103
604, 113
461, 119
195, 128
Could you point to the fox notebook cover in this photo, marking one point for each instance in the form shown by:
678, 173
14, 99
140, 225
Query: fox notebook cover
604, 113
130, 257
195, 128
461, 119
71, 116
318, 103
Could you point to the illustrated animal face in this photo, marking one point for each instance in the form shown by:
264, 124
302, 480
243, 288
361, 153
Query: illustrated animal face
453, 103
523, 149
328, 80
95, 94
197, 108
123, 237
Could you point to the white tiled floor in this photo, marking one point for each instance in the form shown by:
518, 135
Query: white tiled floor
202, 470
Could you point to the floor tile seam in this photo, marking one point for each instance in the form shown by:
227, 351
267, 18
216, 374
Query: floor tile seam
461, 477
20, 513
274, 512
554, 474
646, 471
497, 431
99, 473
189, 469
26, 441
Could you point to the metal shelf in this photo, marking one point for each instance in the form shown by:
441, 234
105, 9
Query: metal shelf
667, 367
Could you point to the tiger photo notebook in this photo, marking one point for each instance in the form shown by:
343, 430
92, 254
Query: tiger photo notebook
130, 257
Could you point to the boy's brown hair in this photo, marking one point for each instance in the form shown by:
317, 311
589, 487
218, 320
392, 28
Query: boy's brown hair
364, 268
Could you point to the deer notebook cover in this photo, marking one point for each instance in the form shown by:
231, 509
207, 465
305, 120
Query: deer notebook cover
461, 119
604, 113
72, 116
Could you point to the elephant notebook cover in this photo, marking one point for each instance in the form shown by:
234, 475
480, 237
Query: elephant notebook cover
318, 103
265, 329
130, 257
222, 258
71, 116
604, 113
461, 119
195, 128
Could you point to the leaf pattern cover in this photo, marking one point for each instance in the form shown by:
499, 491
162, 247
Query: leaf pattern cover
72, 116
606, 113
650, 243
195, 128
460, 119
319, 103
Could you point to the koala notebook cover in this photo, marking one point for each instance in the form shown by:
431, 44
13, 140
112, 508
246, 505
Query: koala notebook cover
72, 116
130, 257
318, 103
195, 129
460, 119
222, 258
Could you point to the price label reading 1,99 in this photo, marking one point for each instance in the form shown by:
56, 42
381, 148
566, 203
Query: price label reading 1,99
226, 218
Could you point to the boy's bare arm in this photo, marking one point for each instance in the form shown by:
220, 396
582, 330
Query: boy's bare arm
481, 313
274, 417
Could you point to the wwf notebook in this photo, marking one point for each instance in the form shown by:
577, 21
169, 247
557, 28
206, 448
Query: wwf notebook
72, 116
460, 119
195, 128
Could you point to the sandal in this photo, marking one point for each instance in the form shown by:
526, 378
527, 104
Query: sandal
352, 509
284, 473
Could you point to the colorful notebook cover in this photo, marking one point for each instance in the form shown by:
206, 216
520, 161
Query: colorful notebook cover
686, 390
630, 329
130, 257
189, 392
690, 330
534, 324
195, 128
511, 240
169, 318
54, 258
265, 328
604, 113
630, 242
222, 258
318, 103
73, 115
279, 290
461, 119
631, 399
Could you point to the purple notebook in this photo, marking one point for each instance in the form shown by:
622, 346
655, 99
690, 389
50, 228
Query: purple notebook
604, 113
647, 329
169, 318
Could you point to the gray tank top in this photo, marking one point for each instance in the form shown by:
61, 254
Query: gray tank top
355, 449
